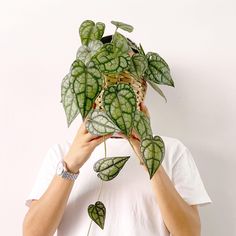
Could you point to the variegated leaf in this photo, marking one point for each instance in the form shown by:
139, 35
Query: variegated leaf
142, 124
158, 71
138, 65
157, 89
85, 53
119, 102
109, 168
90, 31
153, 151
68, 100
97, 212
98, 123
109, 62
120, 43
123, 26
86, 82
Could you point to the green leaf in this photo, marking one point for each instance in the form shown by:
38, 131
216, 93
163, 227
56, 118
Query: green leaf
86, 82
153, 151
157, 89
120, 43
98, 123
68, 100
142, 124
119, 102
97, 213
123, 26
109, 62
158, 70
90, 31
138, 65
85, 53
109, 168
141, 50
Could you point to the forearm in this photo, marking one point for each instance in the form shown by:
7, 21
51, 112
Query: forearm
179, 217
45, 214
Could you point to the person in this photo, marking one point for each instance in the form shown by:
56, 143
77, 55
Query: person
135, 205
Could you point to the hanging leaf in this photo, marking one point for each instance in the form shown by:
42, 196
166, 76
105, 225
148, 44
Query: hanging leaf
109, 168
123, 26
85, 53
119, 102
90, 31
142, 124
153, 151
109, 61
68, 100
158, 71
157, 89
97, 213
98, 123
138, 65
86, 82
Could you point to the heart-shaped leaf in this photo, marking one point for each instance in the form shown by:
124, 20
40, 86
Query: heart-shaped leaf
142, 124
138, 65
123, 26
120, 44
85, 53
97, 213
68, 100
153, 151
86, 82
98, 123
109, 168
158, 71
119, 102
90, 31
157, 89
109, 62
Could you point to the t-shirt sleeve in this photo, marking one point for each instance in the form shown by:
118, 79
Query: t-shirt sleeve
45, 174
187, 180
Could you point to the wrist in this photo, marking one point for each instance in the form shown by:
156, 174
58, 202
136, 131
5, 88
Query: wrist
71, 165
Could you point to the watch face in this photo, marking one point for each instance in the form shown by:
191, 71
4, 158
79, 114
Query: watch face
60, 168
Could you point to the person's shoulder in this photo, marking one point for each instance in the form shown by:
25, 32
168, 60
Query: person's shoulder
173, 143
174, 148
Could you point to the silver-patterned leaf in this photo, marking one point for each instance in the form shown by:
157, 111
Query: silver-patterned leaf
138, 65
86, 82
158, 70
142, 124
157, 89
109, 62
98, 123
120, 43
85, 53
68, 100
123, 26
153, 151
97, 212
90, 31
109, 168
119, 102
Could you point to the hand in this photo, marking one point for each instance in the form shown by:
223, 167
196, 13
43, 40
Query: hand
82, 147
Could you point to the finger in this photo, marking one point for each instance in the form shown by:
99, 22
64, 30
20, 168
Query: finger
88, 137
100, 139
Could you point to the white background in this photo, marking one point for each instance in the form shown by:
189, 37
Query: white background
197, 38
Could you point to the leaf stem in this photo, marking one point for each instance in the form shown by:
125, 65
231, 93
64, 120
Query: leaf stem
105, 154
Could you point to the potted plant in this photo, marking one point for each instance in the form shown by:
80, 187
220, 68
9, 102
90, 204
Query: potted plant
106, 84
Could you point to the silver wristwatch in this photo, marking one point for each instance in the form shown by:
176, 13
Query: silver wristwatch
64, 173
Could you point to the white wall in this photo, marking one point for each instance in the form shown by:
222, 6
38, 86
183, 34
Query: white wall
197, 38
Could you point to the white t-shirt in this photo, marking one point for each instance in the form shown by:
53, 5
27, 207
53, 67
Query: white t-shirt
131, 207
